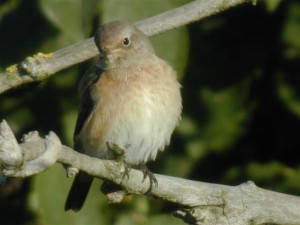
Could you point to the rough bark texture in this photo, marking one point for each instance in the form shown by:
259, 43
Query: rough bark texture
41, 66
198, 202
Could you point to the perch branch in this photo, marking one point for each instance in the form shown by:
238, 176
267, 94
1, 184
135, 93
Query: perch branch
199, 203
41, 66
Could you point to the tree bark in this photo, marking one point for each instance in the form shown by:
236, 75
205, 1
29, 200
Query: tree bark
41, 66
198, 202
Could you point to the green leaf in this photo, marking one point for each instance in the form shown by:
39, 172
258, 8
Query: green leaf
90, 11
227, 114
8, 7
217, 128
47, 199
16, 113
288, 94
66, 16
139, 219
68, 120
290, 34
270, 174
272, 5
74, 18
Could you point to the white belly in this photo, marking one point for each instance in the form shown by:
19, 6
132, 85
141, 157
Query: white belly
145, 126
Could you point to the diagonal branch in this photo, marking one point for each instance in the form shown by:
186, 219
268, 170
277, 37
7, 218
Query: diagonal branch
41, 66
198, 202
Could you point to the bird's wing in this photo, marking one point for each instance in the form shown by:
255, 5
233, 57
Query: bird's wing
86, 102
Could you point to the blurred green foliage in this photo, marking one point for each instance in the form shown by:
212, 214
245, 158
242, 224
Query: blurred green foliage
240, 73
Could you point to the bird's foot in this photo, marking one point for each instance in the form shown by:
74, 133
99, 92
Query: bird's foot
152, 178
119, 155
117, 151
127, 169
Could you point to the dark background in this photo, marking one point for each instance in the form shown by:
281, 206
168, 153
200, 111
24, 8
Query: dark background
240, 75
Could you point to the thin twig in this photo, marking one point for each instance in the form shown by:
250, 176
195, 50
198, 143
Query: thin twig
41, 66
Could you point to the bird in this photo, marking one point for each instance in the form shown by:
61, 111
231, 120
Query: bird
130, 97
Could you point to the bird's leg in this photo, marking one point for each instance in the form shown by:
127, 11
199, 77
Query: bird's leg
114, 192
152, 178
117, 151
127, 169
119, 155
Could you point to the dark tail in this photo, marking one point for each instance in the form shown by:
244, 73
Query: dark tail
78, 192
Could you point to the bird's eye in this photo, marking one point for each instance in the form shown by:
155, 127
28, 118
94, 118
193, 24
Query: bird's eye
126, 42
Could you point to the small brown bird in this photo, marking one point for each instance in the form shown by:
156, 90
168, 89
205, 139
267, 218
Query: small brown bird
130, 98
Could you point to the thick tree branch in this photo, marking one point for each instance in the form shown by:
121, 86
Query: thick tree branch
41, 66
198, 202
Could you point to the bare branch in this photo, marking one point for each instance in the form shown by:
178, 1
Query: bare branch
199, 203
41, 66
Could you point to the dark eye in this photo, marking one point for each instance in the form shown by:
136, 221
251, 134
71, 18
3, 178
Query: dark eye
126, 42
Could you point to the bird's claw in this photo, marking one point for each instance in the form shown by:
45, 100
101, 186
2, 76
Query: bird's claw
127, 169
119, 155
152, 178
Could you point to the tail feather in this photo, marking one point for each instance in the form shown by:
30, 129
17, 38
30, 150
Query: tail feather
78, 191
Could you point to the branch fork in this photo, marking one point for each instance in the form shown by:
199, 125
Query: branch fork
18, 161
198, 202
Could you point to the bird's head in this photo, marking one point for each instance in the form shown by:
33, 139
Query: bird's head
120, 44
